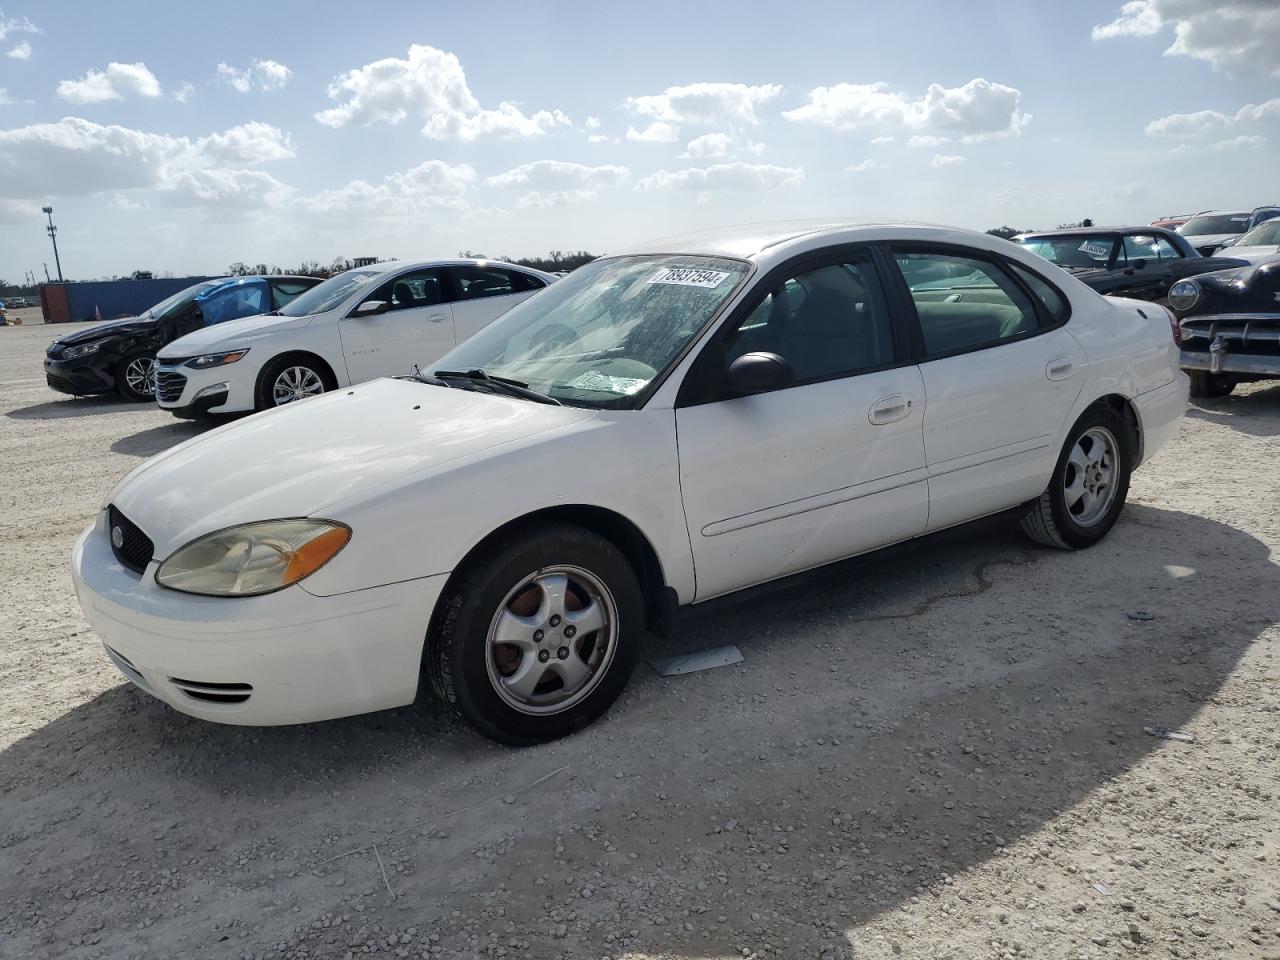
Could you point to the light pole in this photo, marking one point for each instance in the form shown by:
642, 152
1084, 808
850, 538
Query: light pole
53, 235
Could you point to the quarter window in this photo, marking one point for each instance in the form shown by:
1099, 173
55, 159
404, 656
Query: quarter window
826, 322
1053, 302
964, 303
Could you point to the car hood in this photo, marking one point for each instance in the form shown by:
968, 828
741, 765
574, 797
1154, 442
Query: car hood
231, 335
1204, 239
295, 460
107, 329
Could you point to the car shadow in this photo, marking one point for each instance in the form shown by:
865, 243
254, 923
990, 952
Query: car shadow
1254, 411
895, 722
146, 443
77, 407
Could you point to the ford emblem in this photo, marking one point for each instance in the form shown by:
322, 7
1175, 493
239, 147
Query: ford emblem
117, 537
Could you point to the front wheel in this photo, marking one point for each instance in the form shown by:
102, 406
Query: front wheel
1089, 483
288, 379
136, 377
1205, 384
537, 637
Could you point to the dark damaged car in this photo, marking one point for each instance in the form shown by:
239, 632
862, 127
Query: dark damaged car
1140, 263
119, 356
1229, 327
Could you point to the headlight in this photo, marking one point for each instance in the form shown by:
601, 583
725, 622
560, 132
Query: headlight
253, 558
81, 350
215, 359
1184, 294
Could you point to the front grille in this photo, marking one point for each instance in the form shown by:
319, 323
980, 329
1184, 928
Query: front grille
169, 386
61, 384
1256, 335
135, 548
224, 693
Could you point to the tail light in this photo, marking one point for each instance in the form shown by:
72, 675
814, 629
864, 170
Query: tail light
1175, 325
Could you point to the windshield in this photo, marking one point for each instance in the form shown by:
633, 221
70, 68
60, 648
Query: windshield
1215, 223
602, 334
1073, 250
1263, 235
327, 295
180, 299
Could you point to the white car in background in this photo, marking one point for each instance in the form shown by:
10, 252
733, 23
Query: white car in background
1212, 230
664, 425
369, 322
1259, 244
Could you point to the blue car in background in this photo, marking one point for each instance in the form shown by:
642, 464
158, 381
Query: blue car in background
119, 356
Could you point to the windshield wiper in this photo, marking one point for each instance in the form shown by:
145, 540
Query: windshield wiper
512, 388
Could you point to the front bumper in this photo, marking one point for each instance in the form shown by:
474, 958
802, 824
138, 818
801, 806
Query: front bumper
187, 392
286, 657
1248, 364
82, 377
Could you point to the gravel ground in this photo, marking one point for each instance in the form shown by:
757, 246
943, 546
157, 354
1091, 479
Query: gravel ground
935, 753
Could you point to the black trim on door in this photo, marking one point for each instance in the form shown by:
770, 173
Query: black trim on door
1044, 321
704, 381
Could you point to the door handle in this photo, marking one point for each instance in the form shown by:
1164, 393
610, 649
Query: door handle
437, 318
1060, 368
889, 409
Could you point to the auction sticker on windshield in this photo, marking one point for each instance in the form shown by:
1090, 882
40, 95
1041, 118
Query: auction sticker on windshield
689, 277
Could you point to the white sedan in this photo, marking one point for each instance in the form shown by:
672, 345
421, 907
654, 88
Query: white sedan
369, 322
662, 426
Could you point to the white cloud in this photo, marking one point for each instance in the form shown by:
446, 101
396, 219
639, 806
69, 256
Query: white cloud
926, 141
978, 110
10, 25
426, 189
945, 160
1231, 35
428, 84
706, 104
600, 138
592, 123
866, 166
1238, 143
182, 92
656, 132
78, 157
709, 145
261, 75
20, 51
223, 188
5, 99
882, 139
1206, 123
115, 83
725, 176
553, 183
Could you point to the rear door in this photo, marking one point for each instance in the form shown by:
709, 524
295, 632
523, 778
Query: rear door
1000, 374
416, 329
481, 294
827, 467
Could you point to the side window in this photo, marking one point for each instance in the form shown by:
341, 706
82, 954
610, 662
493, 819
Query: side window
964, 303
523, 282
234, 302
409, 291
1048, 295
282, 291
1140, 246
473, 283
827, 322
1166, 250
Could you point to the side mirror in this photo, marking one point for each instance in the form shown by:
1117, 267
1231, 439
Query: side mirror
371, 308
757, 373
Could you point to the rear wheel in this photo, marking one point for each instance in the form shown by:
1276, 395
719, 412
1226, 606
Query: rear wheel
1205, 384
538, 636
291, 378
136, 377
1089, 483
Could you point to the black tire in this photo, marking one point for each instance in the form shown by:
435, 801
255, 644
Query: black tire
1049, 519
124, 375
1205, 384
456, 657
264, 398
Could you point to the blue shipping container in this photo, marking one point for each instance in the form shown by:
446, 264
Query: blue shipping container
110, 299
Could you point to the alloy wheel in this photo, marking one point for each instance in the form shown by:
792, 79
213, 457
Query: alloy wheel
140, 375
296, 383
1089, 482
552, 640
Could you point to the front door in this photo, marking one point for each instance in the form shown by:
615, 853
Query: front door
830, 466
1000, 377
416, 329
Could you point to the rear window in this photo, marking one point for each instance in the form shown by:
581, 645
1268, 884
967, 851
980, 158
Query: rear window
1215, 223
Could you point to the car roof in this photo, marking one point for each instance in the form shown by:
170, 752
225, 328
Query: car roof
1089, 231
394, 266
751, 240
